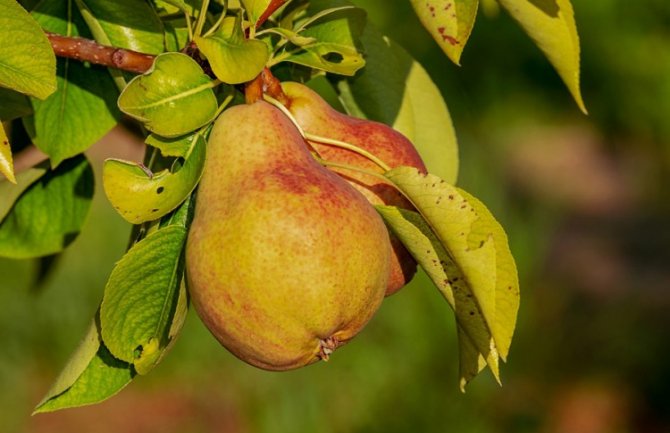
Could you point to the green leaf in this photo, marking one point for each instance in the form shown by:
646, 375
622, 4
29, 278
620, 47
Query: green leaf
433, 133
255, 9
6, 161
233, 58
27, 62
551, 25
13, 105
9, 192
189, 7
91, 375
176, 34
48, 216
175, 84
395, 89
142, 298
336, 35
176, 146
129, 24
139, 197
449, 22
83, 108
450, 277
471, 362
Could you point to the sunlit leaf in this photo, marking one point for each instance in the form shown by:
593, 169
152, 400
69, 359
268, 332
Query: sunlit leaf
27, 62
6, 161
91, 375
465, 252
233, 58
175, 85
48, 216
507, 280
449, 22
449, 276
255, 9
551, 25
395, 89
140, 197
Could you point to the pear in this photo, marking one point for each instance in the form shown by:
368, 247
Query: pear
285, 261
315, 116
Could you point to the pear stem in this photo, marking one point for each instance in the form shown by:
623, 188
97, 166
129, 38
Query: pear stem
324, 140
348, 146
286, 111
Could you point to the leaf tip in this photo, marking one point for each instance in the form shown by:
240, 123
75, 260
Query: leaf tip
9, 175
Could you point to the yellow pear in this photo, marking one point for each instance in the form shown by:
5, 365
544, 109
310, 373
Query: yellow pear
285, 261
315, 116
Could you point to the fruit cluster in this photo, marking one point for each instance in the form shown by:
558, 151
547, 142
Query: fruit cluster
286, 257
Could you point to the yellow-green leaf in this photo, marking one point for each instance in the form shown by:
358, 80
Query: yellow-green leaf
139, 196
175, 84
507, 280
255, 9
449, 22
465, 252
551, 25
27, 62
6, 161
395, 89
233, 58
451, 217
449, 277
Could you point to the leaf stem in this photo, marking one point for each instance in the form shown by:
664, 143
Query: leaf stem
218, 22
189, 26
201, 18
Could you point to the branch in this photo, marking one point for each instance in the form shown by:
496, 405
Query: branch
90, 51
86, 50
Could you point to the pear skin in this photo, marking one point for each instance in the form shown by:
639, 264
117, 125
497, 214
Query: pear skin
285, 261
315, 116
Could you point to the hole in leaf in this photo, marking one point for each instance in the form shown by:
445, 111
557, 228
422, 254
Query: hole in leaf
333, 57
160, 190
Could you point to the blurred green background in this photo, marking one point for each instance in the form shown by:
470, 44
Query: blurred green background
584, 201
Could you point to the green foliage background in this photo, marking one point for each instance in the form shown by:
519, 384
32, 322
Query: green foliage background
593, 327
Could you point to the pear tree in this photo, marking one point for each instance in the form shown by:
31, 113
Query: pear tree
270, 148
